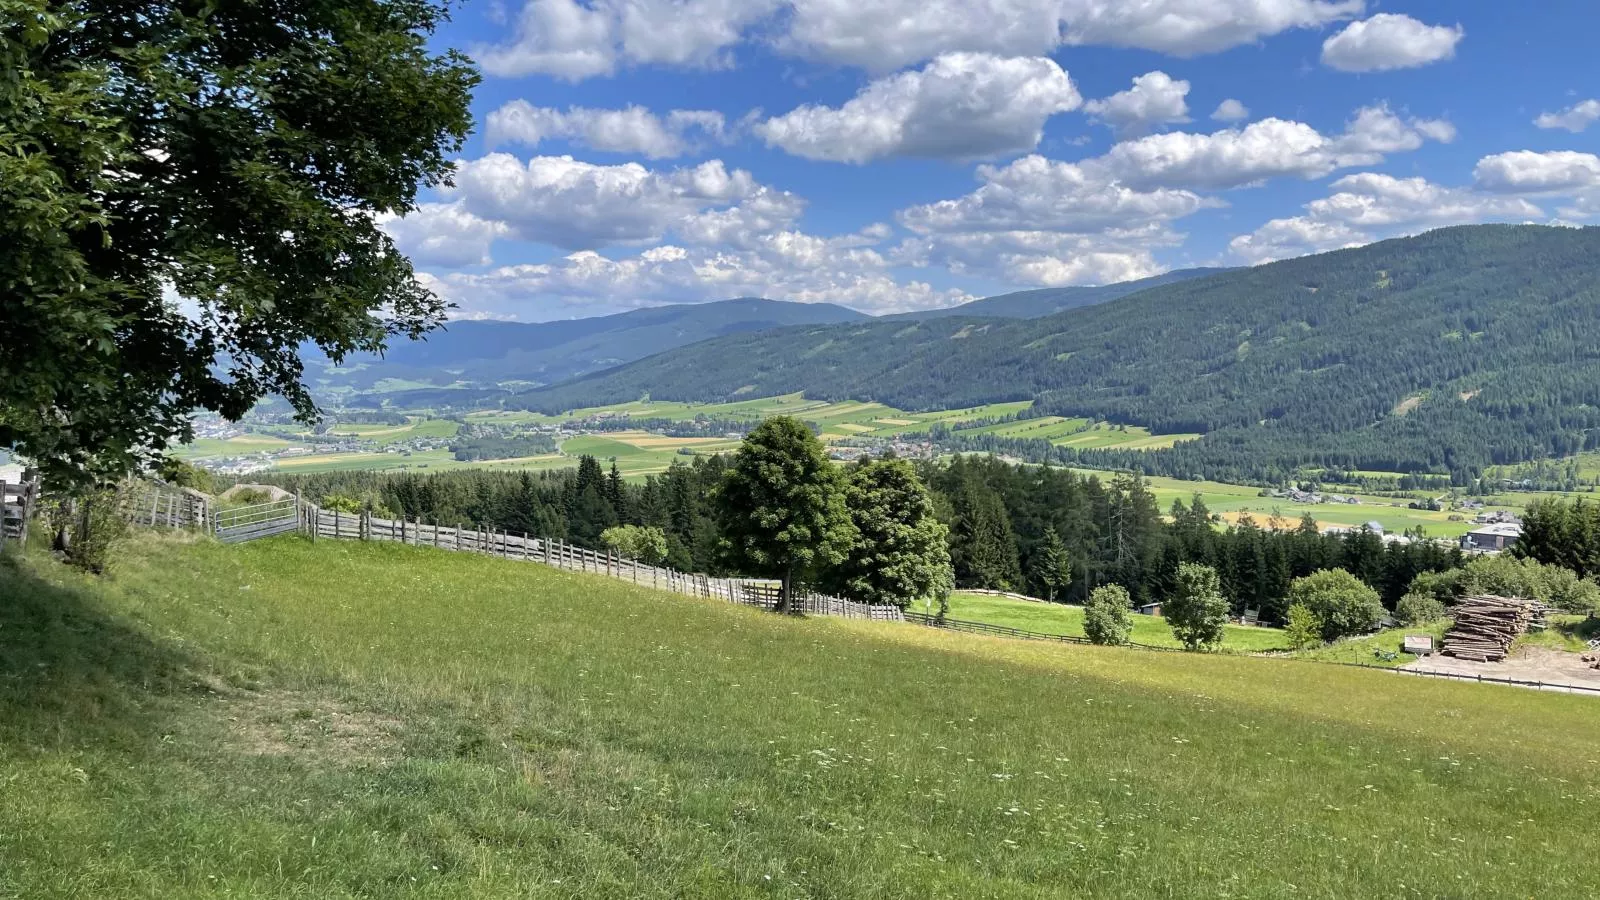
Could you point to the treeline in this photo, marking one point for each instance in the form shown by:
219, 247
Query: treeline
496, 446
1041, 530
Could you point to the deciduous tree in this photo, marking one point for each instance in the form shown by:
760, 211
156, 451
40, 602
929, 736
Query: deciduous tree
191, 192
900, 552
781, 506
1197, 611
1106, 618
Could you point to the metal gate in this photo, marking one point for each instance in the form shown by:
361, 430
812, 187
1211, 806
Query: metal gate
246, 523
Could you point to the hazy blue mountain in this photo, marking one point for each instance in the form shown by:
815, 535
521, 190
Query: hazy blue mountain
487, 353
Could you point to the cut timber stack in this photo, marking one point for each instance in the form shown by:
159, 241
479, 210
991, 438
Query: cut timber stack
1485, 626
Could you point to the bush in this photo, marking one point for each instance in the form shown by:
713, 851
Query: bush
1342, 601
88, 527
1419, 608
1197, 611
645, 543
1569, 593
1304, 627
1106, 618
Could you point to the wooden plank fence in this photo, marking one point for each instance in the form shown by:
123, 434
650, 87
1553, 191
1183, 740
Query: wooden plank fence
18, 500
165, 506
334, 524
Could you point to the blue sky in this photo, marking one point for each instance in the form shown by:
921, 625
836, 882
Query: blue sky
898, 154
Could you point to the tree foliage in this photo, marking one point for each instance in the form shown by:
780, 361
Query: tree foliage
236, 156
900, 551
1419, 608
1197, 611
645, 543
782, 506
1303, 628
1343, 604
1106, 617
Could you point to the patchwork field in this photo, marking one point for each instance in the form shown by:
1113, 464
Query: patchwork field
1231, 501
356, 720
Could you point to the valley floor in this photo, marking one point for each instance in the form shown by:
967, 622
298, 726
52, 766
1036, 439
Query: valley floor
283, 718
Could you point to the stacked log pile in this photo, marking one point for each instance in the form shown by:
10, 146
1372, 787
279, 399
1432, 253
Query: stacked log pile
1485, 626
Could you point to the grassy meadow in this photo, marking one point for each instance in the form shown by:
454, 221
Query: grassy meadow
287, 719
1058, 618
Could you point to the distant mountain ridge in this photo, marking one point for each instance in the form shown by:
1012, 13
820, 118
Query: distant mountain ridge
489, 352
1445, 352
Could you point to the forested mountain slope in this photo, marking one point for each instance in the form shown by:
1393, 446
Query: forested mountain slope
542, 352
1045, 301
1442, 352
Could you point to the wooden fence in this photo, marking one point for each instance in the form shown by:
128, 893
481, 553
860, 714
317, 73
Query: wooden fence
333, 524
18, 500
165, 506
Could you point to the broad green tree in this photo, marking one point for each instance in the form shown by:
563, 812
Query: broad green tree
1343, 604
190, 193
1106, 617
900, 553
781, 506
1197, 611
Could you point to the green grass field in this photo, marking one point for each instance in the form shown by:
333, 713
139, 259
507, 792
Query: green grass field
1057, 618
286, 719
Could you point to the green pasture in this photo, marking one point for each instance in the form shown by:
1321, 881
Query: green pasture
1058, 618
339, 719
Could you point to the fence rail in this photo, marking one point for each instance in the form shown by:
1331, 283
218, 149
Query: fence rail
17, 502
333, 524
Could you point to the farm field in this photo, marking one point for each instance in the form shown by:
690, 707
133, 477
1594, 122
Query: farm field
215, 721
1058, 618
1232, 500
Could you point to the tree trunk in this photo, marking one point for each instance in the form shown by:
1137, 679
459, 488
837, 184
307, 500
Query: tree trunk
69, 516
785, 591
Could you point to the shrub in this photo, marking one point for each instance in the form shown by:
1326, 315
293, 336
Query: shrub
1304, 627
1342, 601
1197, 611
1106, 619
1417, 608
645, 543
89, 526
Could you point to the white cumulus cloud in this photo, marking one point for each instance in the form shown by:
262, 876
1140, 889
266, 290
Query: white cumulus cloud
959, 106
1531, 172
632, 129
577, 39
1574, 118
1231, 110
1268, 148
1368, 206
1155, 99
444, 234
1389, 41
574, 205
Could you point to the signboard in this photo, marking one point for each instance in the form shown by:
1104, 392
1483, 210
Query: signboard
1418, 644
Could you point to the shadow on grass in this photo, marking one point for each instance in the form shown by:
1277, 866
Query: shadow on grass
1583, 629
72, 674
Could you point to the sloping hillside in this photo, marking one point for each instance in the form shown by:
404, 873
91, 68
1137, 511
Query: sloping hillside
1047, 301
1443, 352
329, 720
485, 353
